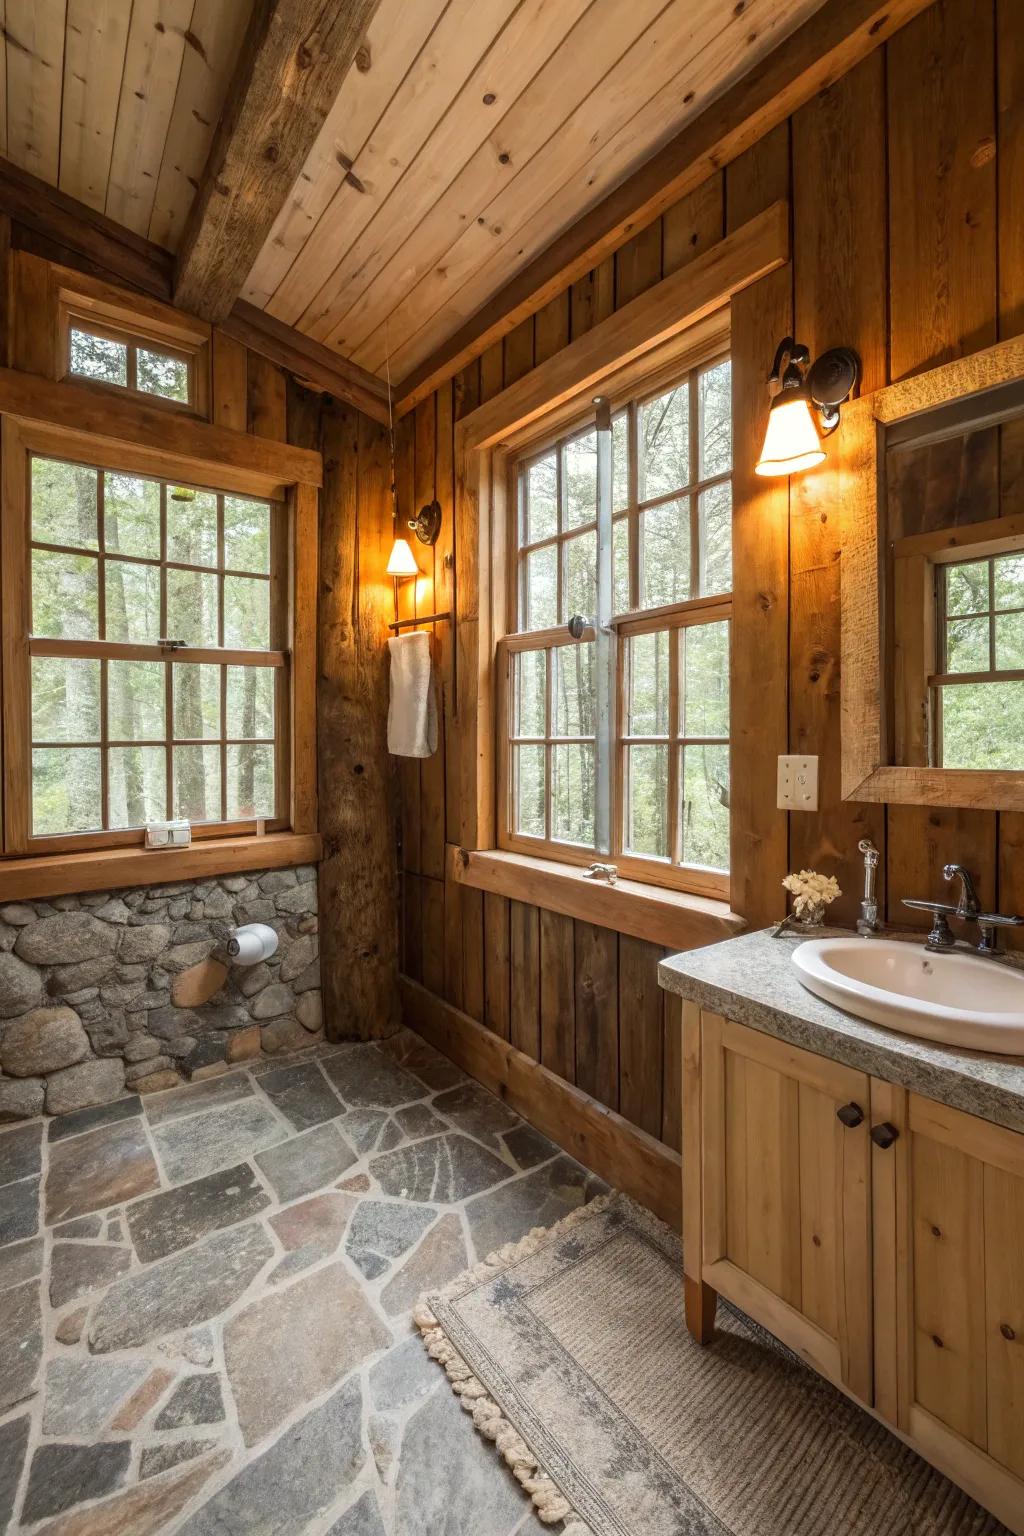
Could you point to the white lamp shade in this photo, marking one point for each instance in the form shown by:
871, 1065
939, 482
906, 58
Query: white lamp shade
402, 561
791, 441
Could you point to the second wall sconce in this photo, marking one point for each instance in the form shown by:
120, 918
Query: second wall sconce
800, 390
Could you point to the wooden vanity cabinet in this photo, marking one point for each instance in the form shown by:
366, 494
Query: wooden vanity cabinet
877, 1233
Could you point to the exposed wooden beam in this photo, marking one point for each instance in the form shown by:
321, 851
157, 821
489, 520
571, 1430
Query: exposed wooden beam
831, 42
308, 360
60, 228
294, 58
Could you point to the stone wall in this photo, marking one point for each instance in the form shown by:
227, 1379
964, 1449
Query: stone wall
132, 990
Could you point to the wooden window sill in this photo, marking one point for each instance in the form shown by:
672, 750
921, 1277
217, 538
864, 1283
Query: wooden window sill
673, 918
110, 868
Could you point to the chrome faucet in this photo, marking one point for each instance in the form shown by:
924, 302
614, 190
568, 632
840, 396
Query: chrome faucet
868, 922
968, 909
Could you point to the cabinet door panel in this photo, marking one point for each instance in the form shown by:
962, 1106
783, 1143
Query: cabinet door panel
961, 1308
785, 1195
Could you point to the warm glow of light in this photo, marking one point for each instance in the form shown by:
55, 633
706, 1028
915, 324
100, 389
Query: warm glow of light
402, 561
791, 441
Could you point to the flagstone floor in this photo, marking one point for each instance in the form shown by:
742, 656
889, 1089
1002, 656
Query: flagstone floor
204, 1319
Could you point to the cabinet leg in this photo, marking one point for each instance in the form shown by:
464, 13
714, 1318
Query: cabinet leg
701, 1302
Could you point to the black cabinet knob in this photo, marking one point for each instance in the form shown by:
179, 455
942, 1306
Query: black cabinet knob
884, 1135
850, 1115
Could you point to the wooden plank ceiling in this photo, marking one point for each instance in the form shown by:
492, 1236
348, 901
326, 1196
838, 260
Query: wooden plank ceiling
468, 136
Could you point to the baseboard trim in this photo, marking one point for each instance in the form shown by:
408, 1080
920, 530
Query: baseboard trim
596, 1136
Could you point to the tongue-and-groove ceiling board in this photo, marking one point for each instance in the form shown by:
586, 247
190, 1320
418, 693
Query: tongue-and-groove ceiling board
468, 135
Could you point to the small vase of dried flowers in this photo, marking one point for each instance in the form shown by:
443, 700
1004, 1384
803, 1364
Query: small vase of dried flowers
811, 893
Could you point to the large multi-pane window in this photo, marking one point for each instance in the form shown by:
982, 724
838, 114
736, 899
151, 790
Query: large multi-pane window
616, 665
156, 677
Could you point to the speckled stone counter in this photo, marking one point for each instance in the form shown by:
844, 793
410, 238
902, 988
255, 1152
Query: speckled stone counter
752, 980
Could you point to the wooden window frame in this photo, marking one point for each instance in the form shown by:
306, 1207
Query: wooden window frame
674, 324
87, 304
672, 617
200, 455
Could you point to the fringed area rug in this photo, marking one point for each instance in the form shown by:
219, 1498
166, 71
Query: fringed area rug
570, 1351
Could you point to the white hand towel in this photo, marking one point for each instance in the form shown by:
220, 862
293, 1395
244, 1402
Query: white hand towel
412, 717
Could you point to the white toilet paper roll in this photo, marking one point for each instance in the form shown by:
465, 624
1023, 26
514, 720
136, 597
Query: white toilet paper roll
252, 943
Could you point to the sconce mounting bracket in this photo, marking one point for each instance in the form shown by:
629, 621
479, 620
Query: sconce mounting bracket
426, 525
830, 381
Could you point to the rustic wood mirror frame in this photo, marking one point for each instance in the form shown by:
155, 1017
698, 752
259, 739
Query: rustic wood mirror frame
861, 486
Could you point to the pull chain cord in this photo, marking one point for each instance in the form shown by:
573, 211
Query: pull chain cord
394, 468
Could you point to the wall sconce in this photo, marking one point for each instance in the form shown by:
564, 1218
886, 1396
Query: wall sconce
426, 525
401, 561
798, 387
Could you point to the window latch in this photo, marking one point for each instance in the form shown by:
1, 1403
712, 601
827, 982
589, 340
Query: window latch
607, 872
171, 645
581, 622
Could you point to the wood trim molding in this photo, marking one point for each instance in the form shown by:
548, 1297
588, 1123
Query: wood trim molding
673, 918
107, 869
599, 1138
676, 304
308, 360
866, 776
188, 446
659, 322
830, 42
291, 64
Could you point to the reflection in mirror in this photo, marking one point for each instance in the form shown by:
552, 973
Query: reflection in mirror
953, 516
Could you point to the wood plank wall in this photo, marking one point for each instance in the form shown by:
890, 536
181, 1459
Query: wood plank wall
905, 181
358, 884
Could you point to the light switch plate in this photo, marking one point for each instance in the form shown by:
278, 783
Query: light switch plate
798, 783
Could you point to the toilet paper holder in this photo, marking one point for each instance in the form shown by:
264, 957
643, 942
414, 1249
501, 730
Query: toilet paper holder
252, 943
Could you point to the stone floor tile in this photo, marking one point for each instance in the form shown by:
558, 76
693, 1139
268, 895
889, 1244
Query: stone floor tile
19, 1210
302, 1094
537, 1199
69, 1329
368, 1079
417, 1121
101, 1168
131, 1415
293, 1344
80, 1228
450, 1481
161, 1107
405, 1375
158, 1458
361, 1519
178, 1217
64, 1475
529, 1147
439, 1258
319, 1223
181, 1291
20, 1151
442, 1168
21, 1343
306, 1162
363, 1128
149, 1509
381, 1231
475, 1111
196, 1400
297, 1478
81, 1396
20, 1262
413, 1053
190, 1148
79, 1120
13, 1441
78, 1268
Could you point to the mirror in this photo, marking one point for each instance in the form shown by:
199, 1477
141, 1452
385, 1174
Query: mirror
933, 587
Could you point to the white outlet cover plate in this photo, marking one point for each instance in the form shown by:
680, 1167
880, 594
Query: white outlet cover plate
798, 783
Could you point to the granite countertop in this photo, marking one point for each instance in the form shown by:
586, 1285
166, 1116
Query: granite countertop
751, 980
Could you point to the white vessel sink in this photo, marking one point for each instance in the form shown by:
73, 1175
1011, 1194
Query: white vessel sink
958, 999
